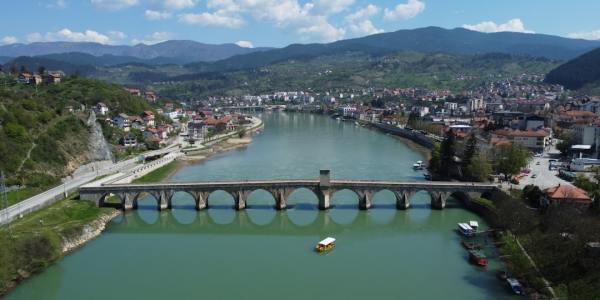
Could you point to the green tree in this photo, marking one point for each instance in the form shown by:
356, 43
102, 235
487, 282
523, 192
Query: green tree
241, 132
435, 160
470, 150
511, 159
567, 140
447, 154
41, 70
479, 168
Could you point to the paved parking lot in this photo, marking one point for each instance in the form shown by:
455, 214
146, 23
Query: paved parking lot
544, 177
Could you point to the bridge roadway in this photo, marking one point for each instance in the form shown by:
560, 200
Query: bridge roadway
324, 188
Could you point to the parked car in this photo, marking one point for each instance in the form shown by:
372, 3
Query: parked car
534, 176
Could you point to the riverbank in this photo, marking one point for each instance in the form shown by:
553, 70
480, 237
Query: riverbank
518, 262
33, 243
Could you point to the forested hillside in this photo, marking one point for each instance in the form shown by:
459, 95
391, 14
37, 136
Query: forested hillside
43, 131
579, 72
348, 71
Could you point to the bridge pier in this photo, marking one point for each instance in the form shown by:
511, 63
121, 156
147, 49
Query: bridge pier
324, 193
128, 201
240, 199
402, 200
365, 199
438, 200
280, 196
201, 199
164, 200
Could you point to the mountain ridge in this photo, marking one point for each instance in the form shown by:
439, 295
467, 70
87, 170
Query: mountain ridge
184, 50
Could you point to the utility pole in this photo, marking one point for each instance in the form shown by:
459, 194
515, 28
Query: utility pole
4, 203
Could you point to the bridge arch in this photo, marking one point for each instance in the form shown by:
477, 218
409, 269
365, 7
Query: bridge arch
384, 198
261, 199
220, 199
183, 207
303, 198
345, 198
102, 200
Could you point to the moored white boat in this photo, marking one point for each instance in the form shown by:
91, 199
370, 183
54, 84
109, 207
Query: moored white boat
465, 229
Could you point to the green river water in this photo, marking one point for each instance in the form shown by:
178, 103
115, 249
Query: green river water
261, 253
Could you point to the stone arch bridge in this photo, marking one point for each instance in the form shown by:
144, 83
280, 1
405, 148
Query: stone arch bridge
323, 188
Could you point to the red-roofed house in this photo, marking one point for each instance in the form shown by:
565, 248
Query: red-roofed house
565, 194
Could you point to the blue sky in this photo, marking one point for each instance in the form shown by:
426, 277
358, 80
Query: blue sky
281, 22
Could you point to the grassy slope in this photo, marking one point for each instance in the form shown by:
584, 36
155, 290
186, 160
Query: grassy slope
36, 240
159, 174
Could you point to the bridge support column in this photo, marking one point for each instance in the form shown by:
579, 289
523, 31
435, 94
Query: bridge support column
365, 199
438, 200
128, 201
164, 200
240, 199
324, 190
280, 199
324, 199
402, 200
201, 199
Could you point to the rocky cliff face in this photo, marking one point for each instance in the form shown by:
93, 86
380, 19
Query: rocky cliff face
88, 233
99, 148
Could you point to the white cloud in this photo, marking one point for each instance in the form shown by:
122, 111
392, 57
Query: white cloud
73, 36
154, 15
245, 44
303, 19
114, 4
359, 23
320, 29
116, 36
57, 4
404, 11
589, 35
514, 25
7, 40
218, 19
155, 38
178, 4
332, 6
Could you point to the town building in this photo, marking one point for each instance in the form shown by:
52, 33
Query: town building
535, 140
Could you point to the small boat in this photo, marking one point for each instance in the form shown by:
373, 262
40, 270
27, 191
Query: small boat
515, 286
427, 176
474, 225
419, 165
478, 258
325, 245
471, 246
465, 229
356, 123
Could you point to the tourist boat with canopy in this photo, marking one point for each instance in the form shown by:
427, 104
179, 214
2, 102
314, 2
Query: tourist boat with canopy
325, 245
465, 229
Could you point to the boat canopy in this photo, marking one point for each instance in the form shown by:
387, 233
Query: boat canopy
473, 224
327, 241
465, 226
